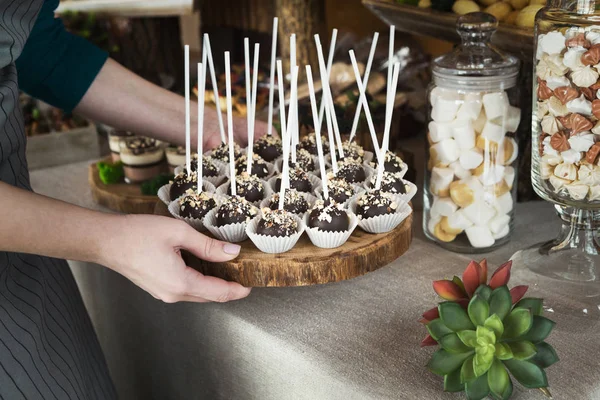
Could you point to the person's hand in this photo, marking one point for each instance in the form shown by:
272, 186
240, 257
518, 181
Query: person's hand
212, 135
147, 250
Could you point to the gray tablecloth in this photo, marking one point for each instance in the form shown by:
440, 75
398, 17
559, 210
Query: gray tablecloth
357, 339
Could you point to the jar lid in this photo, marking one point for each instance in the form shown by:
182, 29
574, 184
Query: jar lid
476, 60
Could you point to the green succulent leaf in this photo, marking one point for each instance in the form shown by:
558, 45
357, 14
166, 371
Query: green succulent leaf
484, 291
452, 382
500, 302
495, 324
522, 350
467, 373
477, 389
545, 356
498, 379
485, 336
517, 323
483, 361
455, 317
453, 344
478, 310
507, 393
527, 373
437, 329
503, 351
443, 362
540, 329
469, 338
535, 305
459, 283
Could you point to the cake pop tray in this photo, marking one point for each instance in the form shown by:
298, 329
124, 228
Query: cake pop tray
121, 197
307, 264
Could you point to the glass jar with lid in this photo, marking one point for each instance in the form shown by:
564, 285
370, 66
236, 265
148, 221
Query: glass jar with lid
470, 182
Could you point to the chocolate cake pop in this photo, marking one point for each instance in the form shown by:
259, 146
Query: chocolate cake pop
208, 168
293, 202
390, 182
304, 161
194, 205
181, 183
234, 210
351, 171
392, 163
329, 216
221, 152
268, 147
259, 167
309, 143
248, 186
375, 203
354, 151
298, 180
339, 189
278, 223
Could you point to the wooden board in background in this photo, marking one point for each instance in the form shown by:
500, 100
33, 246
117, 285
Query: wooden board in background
307, 264
122, 197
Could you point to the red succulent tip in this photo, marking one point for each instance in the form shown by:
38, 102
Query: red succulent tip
448, 290
501, 276
432, 314
471, 278
518, 292
428, 341
483, 271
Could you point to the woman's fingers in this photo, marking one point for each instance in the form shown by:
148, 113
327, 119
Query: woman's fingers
207, 248
211, 288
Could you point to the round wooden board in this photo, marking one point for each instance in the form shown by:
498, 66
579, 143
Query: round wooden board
122, 197
307, 264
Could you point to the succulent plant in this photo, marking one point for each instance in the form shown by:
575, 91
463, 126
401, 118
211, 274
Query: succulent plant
487, 333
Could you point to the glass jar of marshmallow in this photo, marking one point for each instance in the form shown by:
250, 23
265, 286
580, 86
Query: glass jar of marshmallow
470, 182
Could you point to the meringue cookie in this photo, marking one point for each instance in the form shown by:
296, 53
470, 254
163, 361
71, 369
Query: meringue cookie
593, 35
557, 108
554, 82
548, 149
556, 64
596, 129
542, 70
570, 156
546, 170
566, 171
589, 174
550, 124
552, 42
582, 141
584, 77
580, 105
572, 58
539, 51
577, 191
542, 109
553, 160
594, 193
558, 183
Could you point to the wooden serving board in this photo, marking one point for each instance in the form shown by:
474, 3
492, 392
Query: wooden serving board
122, 197
307, 264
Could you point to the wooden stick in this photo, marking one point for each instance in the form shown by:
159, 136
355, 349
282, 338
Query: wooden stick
186, 54
329, 64
230, 123
313, 105
272, 80
201, 87
207, 54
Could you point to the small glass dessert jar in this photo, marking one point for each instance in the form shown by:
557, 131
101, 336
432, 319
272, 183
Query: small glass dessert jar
143, 158
115, 137
470, 184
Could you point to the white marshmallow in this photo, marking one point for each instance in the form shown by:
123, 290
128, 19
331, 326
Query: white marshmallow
492, 175
495, 104
445, 109
433, 221
505, 231
448, 94
479, 123
577, 191
552, 43
469, 110
580, 105
504, 203
498, 223
458, 221
480, 236
459, 171
557, 81
463, 134
571, 156
513, 156
582, 141
493, 132
513, 117
471, 159
443, 206
475, 185
447, 151
439, 131
572, 58
509, 176
479, 212
441, 178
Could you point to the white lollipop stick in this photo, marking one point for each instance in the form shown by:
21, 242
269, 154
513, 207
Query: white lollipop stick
207, 54
186, 54
248, 100
313, 105
292, 65
272, 80
253, 103
329, 63
281, 90
389, 111
201, 87
365, 83
285, 174
363, 99
230, 123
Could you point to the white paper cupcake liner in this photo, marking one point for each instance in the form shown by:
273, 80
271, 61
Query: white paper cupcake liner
232, 233
405, 197
383, 223
330, 240
163, 192
268, 191
272, 244
358, 190
197, 224
310, 199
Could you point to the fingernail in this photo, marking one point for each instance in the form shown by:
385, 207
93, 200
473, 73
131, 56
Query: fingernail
230, 248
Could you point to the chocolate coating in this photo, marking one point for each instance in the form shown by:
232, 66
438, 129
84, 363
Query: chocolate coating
353, 150
339, 190
234, 210
309, 144
392, 163
390, 182
182, 183
298, 180
259, 167
293, 202
268, 147
249, 187
195, 205
351, 171
221, 152
278, 223
208, 168
329, 217
304, 161
375, 203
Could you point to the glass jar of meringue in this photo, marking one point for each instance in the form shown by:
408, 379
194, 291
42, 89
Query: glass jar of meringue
470, 182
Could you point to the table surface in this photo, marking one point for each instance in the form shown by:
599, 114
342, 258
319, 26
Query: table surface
356, 339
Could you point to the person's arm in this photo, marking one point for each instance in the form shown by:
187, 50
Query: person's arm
144, 248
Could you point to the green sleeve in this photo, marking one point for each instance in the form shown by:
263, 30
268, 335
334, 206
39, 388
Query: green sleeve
55, 65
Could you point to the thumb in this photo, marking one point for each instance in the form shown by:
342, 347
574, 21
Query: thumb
207, 248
